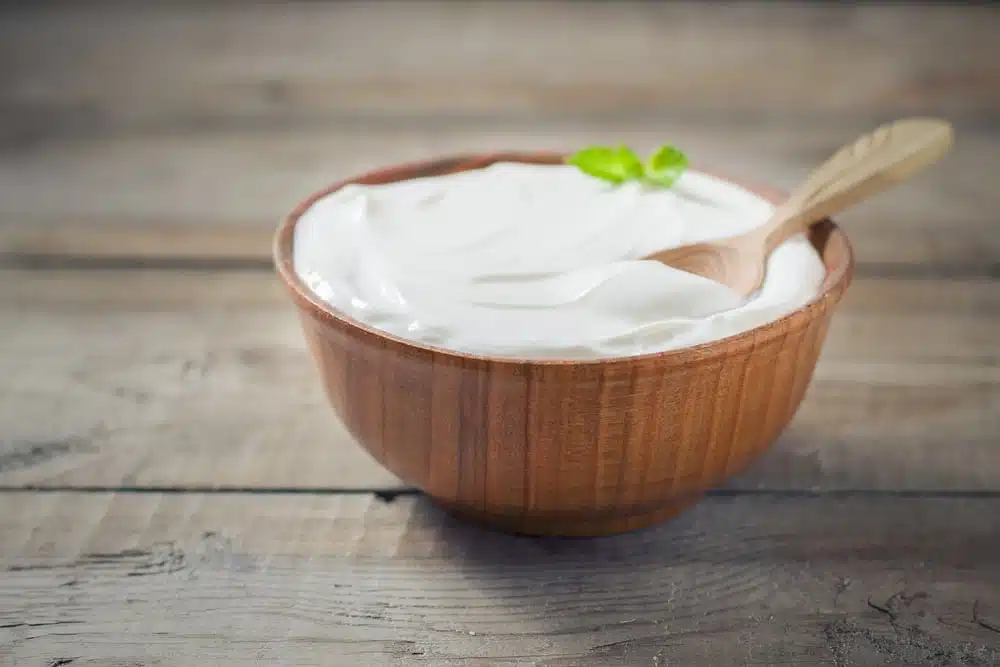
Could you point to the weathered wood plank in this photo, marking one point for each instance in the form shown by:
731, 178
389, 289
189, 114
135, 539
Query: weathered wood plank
317, 580
220, 196
181, 68
201, 379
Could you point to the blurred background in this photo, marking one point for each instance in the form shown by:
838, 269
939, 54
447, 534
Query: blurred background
200, 122
148, 149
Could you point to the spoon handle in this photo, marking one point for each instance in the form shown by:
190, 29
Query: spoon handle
869, 165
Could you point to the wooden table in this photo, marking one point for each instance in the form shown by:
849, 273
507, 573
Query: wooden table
176, 492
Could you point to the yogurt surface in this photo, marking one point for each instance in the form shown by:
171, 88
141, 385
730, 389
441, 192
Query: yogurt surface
541, 262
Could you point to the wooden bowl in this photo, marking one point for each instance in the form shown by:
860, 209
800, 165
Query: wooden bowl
554, 447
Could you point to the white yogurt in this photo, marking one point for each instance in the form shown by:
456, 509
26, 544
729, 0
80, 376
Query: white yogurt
540, 261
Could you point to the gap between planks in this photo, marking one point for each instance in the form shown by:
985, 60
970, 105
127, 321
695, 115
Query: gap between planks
390, 494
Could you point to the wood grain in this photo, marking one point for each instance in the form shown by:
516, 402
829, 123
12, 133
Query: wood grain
166, 379
179, 69
305, 580
219, 196
160, 382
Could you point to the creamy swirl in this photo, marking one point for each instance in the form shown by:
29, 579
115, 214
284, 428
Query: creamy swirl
540, 261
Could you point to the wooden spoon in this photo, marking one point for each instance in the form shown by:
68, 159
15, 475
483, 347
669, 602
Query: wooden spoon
875, 161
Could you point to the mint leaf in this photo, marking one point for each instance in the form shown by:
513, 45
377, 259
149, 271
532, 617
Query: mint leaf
611, 164
665, 166
620, 164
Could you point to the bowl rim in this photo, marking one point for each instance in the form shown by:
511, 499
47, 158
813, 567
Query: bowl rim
835, 281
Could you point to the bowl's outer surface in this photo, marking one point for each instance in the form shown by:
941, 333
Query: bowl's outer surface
571, 447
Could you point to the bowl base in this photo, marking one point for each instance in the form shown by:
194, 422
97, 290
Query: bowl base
584, 526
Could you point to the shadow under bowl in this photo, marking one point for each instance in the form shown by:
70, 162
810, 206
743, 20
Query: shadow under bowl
572, 448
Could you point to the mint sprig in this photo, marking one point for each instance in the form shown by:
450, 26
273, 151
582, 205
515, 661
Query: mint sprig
620, 164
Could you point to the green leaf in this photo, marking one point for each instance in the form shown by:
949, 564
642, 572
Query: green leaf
620, 164
611, 164
665, 166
